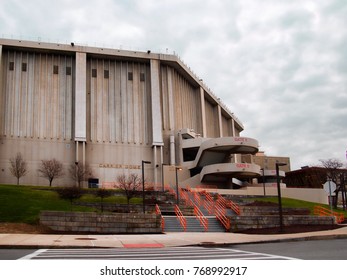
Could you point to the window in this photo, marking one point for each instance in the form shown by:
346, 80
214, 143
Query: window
11, 66
55, 69
24, 67
94, 73
142, 77
106, 74
130, 76
68, 70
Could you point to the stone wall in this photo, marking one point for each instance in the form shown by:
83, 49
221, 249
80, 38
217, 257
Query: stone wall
81, 222
239, 223
271, 210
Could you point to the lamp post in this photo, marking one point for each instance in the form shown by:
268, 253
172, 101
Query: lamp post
263, 180
176, 169
143, 183
279, 193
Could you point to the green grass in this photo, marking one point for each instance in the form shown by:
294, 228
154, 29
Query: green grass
22, 204
117, 199
295, 203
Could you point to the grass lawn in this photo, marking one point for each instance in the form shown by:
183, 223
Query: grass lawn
24, 203
294, 203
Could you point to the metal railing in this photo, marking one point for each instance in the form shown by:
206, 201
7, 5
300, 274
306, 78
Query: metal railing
158, 212
186, 198
222, 218
321, 211
209, 203
200, 216
181, 218
229, 204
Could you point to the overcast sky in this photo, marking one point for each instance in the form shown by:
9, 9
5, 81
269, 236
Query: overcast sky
279, 65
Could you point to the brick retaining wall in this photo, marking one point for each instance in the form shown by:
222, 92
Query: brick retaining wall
84, 222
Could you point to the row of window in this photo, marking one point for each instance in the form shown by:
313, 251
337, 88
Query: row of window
107, 75
55, 68
68, 71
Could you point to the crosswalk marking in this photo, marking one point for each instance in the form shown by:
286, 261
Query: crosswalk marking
172, 253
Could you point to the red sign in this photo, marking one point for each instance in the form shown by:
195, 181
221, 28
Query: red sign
242, 165
241, 139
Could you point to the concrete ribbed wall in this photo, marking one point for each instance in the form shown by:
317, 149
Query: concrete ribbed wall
119, 108
36, 102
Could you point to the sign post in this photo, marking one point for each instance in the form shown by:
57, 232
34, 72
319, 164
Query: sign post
329, 187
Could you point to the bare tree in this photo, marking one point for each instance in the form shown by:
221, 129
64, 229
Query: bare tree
80, 172
335, 172
130, 184
18, 167
51, 169
333, 168
103, 193
70, 193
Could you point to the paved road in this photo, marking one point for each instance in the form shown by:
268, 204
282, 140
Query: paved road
334, 249
173, 253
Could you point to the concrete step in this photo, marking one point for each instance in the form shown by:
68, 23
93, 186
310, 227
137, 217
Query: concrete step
172, 224
193, 224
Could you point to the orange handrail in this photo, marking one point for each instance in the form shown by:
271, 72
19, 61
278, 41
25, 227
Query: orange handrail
170, 190
158, 212
222, 218
229, 204
180, 217
186, 198
209, 203
200, 216
197, 198
321, 211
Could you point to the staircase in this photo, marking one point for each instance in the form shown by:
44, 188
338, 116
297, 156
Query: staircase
193, 225
204, 209
172, 224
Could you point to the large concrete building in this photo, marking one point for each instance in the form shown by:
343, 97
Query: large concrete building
113, 109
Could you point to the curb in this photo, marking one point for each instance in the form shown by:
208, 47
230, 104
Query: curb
201, 244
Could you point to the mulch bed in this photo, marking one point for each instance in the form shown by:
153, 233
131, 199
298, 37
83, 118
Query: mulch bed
290, 229
23, 228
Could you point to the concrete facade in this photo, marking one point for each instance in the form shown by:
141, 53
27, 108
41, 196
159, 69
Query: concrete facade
108, 108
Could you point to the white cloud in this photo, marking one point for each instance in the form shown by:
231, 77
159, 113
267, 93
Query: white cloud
281, 66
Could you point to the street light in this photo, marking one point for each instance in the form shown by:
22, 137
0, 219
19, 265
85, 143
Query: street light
263, 179
143, 183
176, 169
279, 193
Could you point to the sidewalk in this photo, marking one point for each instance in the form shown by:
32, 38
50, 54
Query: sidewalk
173, 239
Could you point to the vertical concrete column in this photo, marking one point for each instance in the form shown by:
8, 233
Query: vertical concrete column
81, 97
84, 153
157, 133
233, 126
203, 112
172, 150
154, 163
157, 126
233, 131
171, 100
220, 121
2, 94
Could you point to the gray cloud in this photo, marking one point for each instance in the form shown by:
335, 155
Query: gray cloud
281, 66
